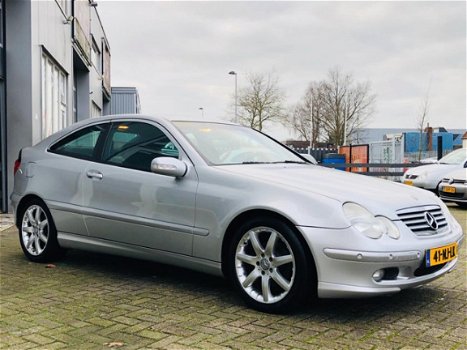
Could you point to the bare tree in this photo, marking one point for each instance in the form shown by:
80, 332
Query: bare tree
423, 113
347, 104
305, 118
332, 109
260, 102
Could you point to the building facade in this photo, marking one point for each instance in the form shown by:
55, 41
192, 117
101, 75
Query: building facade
56, 72
452, 138
125, 100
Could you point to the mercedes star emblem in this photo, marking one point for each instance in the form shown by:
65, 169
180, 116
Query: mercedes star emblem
431, 220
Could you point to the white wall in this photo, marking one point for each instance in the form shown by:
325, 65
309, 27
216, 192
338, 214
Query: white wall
51, 34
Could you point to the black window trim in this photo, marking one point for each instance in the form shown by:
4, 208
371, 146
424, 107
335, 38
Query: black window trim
183, 155
98, 152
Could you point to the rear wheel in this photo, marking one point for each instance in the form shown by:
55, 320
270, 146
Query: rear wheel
268, 265
37, 232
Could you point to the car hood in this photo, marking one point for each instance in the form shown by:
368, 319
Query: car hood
459, 174
432, 169
379, 196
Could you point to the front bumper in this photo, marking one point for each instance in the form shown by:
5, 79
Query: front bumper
459, 195
418, 182
345, 270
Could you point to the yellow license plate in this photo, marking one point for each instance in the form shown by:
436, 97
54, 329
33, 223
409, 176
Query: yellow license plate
441, 255
449, 189
408, 182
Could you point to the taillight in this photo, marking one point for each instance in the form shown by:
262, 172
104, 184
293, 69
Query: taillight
17, 164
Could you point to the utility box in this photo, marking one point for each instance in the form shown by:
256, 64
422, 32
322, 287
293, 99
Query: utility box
125, 100
334, 158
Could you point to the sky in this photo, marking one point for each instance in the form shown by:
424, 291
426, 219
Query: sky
178, 54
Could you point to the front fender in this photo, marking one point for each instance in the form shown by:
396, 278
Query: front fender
220, 200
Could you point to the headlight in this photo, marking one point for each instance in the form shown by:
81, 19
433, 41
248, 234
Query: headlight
368, 224
391, 229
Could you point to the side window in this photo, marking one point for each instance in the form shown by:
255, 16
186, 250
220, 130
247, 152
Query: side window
81, 144
134, 145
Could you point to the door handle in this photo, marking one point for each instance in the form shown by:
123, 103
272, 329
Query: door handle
94, 174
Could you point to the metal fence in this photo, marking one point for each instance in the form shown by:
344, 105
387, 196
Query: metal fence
386, 159
389, 171
385, 153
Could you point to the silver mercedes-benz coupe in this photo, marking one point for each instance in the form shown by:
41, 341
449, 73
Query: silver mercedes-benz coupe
228, 200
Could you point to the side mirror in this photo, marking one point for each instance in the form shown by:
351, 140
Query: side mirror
169, 166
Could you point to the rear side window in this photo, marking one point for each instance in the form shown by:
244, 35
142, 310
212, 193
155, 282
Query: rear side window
81, 144
134, 145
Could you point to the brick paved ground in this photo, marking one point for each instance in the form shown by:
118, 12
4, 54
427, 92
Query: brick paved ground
90, 301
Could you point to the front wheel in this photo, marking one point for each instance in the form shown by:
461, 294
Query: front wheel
268, 265
37, 233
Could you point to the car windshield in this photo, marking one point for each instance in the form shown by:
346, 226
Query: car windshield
233, 144
455, 157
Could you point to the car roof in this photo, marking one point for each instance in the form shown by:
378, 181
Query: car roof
166, 122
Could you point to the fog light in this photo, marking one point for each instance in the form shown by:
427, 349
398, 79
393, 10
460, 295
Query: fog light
378, 275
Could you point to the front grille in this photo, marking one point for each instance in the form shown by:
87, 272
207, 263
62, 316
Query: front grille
415, 219
452, 195
454, 181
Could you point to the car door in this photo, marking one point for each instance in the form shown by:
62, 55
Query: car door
128, 203
64, 169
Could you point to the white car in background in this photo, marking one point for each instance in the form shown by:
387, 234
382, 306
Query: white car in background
430, 176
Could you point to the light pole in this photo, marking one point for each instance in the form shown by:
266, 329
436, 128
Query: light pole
311, 121
345, 131
202, 112
235, 73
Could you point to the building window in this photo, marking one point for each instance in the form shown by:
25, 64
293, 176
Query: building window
53, 97
96, 57
95, 110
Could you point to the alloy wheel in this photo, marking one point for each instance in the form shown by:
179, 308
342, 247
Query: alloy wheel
35, 230
265, 265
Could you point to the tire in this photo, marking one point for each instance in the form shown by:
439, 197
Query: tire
462, 205
268, 265
37, 232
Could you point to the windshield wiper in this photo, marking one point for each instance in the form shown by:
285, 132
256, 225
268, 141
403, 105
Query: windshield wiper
289, 162
278, 162
253, 162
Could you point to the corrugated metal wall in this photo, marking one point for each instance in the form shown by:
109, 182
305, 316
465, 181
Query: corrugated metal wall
124, 101
412, 140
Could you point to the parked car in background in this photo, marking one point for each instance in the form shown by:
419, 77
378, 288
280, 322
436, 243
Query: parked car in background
453, 188
228, 200
431, 160
429, 176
